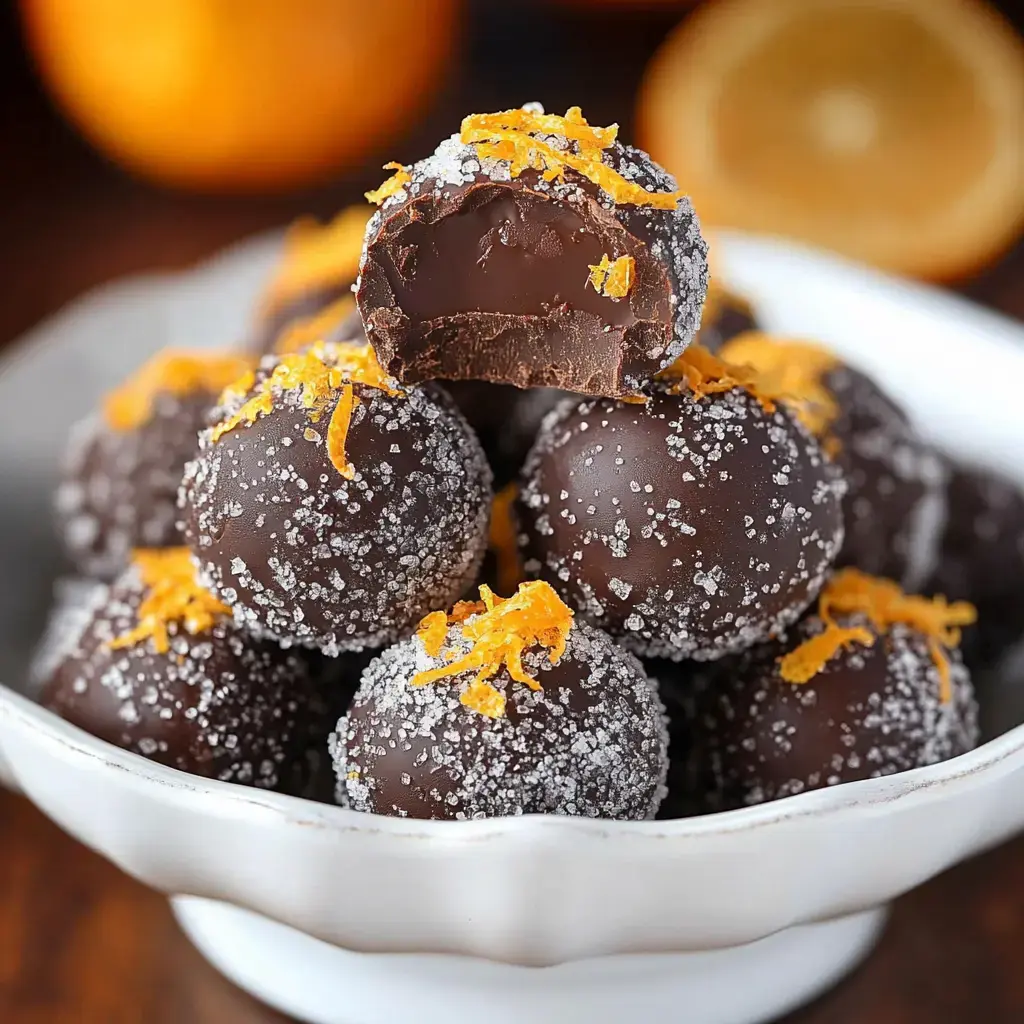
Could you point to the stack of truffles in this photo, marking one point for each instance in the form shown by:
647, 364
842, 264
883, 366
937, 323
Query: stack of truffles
307, 575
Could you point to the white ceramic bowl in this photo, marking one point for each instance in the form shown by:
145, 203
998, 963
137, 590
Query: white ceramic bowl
354, 919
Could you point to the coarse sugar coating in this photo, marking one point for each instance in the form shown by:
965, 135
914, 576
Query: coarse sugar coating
590, 741
870, 711
203, 696
124, 463
333, 510
532, 250
686, 527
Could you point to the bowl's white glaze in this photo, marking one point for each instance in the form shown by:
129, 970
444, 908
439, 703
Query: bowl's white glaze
534, 890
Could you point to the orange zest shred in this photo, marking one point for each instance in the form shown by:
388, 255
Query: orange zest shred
482, 697
508, 567
803, 663
174, 595
320, 327
392, 186
174, 372
884, 604
702, 374
500, 629
317, 256
793, 372
511, 135
322, 372
613, 278
337, 432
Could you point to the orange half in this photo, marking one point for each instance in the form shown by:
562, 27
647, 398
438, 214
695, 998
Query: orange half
889, 130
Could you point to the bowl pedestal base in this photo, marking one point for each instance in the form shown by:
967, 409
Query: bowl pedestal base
323, 984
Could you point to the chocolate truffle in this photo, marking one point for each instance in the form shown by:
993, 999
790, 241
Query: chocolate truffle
334, 509
124, 463
981, 559
896, 482
692, 526
504, 708
724, 316
317, 269
532, 250
873, 686
161, 670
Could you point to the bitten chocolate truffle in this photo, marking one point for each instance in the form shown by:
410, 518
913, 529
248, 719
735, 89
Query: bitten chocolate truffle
871, 686
981, 560
505, 707
533, 250
895, 502
333, 508
317, 269
124, 463
692, 526
160, 670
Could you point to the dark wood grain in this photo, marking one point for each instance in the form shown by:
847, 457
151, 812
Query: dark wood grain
82, 943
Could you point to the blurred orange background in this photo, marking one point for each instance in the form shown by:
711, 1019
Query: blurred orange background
889, 130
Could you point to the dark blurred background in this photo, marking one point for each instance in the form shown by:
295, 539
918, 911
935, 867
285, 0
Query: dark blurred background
72, 218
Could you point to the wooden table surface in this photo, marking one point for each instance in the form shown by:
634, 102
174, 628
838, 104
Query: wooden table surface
79, 941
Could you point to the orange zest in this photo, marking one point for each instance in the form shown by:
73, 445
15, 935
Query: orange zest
173, 372
792, 371
319, 327
501, 630
483, 698
511, 135
508, 568
883, 603
324, 372
392, 186
702, 374
174, 595
318, 256
613, 278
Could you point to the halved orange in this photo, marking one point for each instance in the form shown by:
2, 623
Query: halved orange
889, 130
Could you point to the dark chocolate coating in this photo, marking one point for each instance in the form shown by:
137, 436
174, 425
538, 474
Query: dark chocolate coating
896, 484
981, 560
734, 316
506, 419
305, 556
218, 704
469, 274
298, 307
118, 487
590, 743
688, 529
871, 711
